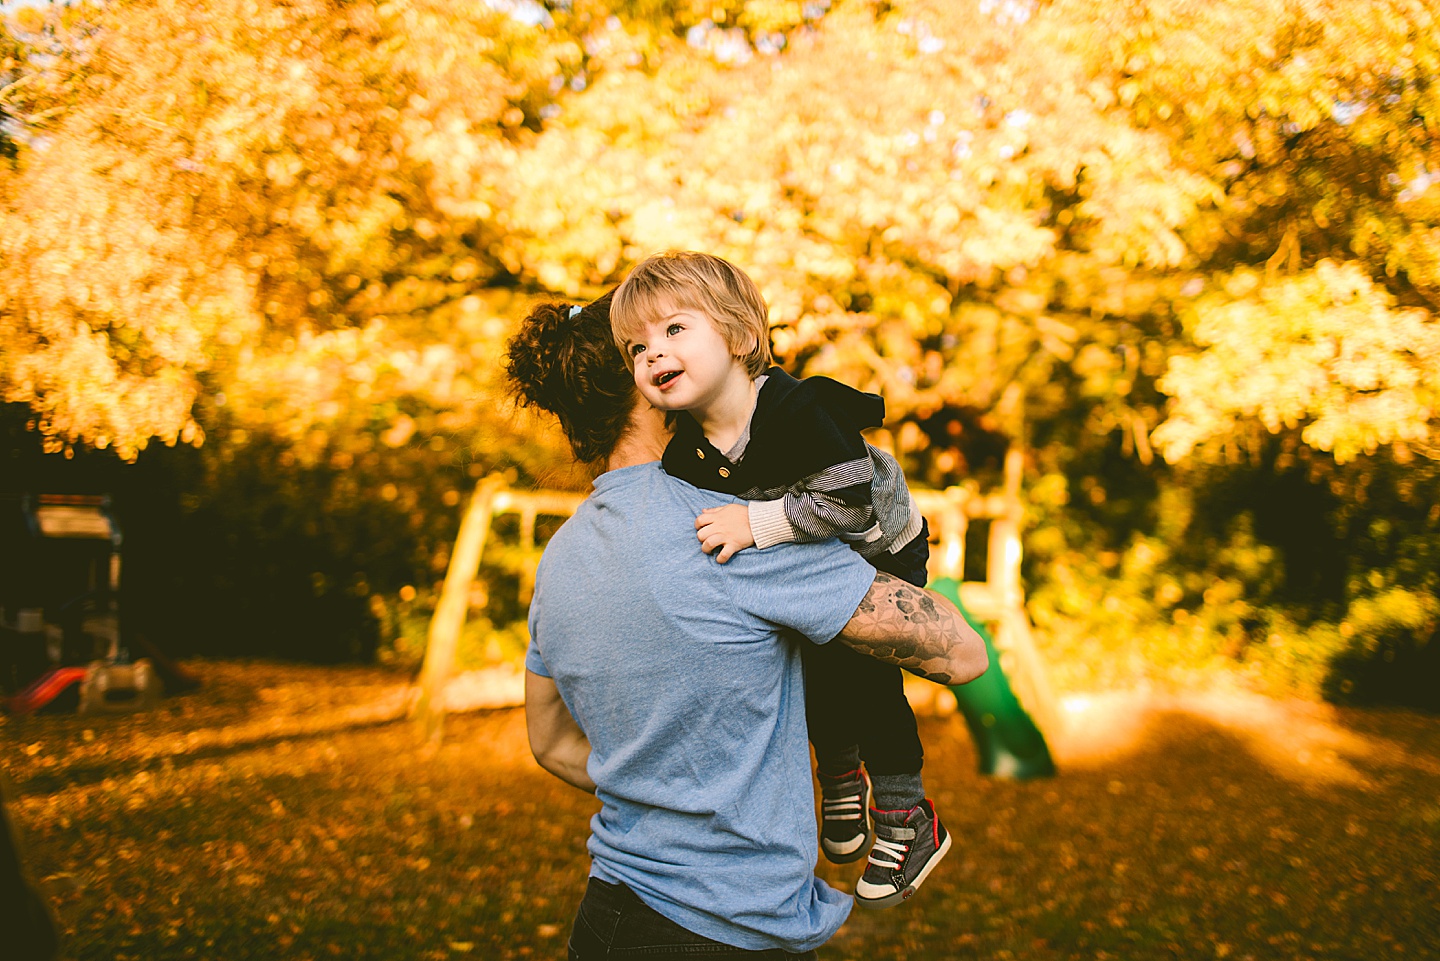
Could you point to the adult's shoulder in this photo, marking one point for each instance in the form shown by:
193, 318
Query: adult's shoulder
648, 491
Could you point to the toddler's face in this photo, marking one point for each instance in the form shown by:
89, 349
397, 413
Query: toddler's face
682, 361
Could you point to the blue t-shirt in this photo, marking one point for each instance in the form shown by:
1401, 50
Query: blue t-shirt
675, 668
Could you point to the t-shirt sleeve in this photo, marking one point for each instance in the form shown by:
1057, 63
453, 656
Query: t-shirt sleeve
534, 661
813, 589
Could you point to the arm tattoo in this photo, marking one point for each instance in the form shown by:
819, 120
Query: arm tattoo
901, 624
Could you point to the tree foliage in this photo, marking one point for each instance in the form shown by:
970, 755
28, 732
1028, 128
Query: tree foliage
1206, 231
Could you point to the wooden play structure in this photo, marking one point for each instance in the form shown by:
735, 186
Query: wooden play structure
999, 599
1009, 741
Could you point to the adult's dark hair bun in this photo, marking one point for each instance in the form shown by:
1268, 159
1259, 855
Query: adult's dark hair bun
571, 367
536, 355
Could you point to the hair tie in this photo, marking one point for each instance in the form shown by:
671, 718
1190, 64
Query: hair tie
575, 310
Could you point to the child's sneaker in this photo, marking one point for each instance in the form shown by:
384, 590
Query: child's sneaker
908, 845
845, 833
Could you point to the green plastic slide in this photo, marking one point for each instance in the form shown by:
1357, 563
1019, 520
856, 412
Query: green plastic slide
1009, 743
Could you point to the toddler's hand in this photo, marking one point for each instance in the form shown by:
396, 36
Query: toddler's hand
726, 528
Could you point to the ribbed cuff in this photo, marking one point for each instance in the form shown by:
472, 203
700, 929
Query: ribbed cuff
840, 763
911, 531
768, 524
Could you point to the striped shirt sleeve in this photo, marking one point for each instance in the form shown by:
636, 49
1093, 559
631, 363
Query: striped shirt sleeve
834, 502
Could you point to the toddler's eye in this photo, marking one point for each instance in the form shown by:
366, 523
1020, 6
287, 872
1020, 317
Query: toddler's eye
636, 349
673, 329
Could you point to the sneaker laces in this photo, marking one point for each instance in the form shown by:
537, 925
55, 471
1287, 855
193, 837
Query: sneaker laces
890, 849
846, 808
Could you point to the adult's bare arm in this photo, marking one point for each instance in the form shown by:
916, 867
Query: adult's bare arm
555, 739
919, 630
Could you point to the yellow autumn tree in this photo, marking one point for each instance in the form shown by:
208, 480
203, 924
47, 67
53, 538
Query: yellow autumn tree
304, 229
206, 182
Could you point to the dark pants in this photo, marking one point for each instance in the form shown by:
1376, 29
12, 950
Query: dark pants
851, 699
613, 924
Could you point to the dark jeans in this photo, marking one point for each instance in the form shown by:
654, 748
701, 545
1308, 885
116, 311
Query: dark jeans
851, 699
613, 924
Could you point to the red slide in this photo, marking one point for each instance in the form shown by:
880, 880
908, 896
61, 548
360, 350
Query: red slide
45, 690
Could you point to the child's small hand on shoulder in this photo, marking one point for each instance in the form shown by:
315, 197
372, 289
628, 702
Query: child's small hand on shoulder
726, 529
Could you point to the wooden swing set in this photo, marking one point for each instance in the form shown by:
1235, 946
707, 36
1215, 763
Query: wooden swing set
998, 599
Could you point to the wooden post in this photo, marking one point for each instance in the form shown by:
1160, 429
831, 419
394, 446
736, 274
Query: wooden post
1032, 681
952, 523
527, 544
450, 611
1002, 568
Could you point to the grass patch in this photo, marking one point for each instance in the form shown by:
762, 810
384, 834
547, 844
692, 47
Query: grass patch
283, 812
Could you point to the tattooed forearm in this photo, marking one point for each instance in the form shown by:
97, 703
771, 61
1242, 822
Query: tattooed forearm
920, 631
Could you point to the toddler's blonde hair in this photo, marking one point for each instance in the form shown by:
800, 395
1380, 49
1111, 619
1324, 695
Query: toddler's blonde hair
705, 283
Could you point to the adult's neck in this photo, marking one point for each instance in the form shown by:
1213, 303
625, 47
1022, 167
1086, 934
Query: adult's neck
644, 439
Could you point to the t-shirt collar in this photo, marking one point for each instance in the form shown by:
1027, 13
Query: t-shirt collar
621, 475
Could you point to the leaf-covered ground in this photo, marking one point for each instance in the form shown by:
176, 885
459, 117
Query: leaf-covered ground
283, 812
